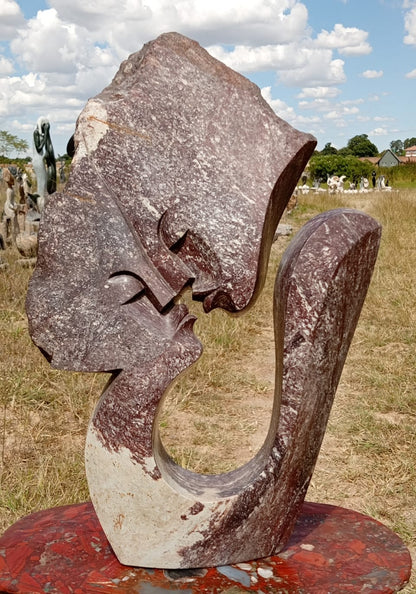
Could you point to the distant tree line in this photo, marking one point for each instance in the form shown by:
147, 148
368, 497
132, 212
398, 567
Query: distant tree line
398, 146
10, 143
345, 161
13, 144
357, 146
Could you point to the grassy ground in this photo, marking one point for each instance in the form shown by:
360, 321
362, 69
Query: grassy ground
216, 417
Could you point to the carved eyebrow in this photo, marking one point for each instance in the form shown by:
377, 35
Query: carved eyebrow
179, 243
138, 289
176, 246
131, 287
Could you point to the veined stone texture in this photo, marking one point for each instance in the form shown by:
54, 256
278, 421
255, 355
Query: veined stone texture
180, 176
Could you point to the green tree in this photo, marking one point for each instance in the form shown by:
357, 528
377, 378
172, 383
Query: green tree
397, 146
361, 146
409, 142
10, 143
329, 149
323, 166
344, 151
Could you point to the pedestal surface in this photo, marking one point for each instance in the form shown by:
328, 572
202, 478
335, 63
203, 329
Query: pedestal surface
64, 550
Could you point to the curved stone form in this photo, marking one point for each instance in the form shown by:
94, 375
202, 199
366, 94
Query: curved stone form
180, 175
191, 520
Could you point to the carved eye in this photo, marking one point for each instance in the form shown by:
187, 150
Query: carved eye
124, 288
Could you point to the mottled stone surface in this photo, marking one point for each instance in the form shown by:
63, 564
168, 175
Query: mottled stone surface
64, 551
180, 175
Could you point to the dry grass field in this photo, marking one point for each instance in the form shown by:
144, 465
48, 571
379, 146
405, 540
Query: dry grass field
216, 416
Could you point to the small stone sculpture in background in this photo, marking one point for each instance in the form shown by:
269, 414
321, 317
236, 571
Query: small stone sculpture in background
10, 209
44, 163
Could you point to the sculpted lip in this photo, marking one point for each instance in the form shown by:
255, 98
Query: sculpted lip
182, 317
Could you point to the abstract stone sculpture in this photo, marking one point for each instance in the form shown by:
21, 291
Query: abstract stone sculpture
180, 176
44, 163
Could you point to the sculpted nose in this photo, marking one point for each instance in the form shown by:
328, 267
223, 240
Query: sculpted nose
156, 287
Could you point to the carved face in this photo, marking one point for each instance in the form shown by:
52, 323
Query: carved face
180, 175
96, 303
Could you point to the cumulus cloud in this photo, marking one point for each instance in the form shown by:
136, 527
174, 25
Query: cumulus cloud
372, 74
48, 44
318, 92
286, 112
70, 51
411, 74
280, 107
335, 112
410, 23
341, 111
297, 65
353, 101
349, 41
97, 15
11, 18
379, 132
6, 66
217, 21
318, 104
318, 69
267, 57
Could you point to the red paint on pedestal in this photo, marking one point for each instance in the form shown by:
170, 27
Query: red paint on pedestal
63, 550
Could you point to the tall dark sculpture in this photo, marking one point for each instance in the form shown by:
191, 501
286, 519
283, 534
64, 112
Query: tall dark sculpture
44, 162
180, 175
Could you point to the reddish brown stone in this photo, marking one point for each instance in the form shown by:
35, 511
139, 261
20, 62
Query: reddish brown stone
64, 550
180, 175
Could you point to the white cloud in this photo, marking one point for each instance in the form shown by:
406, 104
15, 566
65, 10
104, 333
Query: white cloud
379, 132
410, 23
320, 105
286, 112
49, 45
341, 111
357, 101
98, 15
318, 69
267, 57
75, 48
372, 74
297, 65
6, 66
278, 106
349, 41
217, 21
11, 18
318, 92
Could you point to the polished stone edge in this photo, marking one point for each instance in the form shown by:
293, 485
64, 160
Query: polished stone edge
332, 549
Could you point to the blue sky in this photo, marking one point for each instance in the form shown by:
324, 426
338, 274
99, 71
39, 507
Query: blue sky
335, 68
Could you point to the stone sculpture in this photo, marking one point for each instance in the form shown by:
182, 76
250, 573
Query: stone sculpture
10, 209
180, 175
44, 163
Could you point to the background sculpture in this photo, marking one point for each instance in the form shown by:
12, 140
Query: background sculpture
44, 163
10, 209
208, 169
